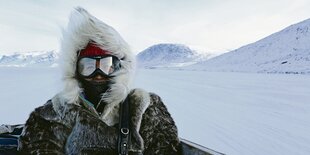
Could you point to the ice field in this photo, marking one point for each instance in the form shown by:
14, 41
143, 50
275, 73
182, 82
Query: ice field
233, 113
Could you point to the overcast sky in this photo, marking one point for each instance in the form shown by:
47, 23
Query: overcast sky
208, 25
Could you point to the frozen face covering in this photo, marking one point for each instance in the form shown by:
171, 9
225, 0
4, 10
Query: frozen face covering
93, 91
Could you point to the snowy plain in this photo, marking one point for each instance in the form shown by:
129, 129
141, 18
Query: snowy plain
233, 113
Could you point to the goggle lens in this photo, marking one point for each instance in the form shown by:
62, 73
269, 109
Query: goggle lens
87, 66
106, 65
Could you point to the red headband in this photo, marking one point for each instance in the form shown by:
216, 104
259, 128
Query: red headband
92, 50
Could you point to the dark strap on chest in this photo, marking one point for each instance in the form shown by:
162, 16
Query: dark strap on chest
124, 132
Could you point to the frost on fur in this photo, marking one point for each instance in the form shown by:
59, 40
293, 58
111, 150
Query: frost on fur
81, 29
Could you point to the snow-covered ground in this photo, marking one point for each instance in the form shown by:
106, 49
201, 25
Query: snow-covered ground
234, 113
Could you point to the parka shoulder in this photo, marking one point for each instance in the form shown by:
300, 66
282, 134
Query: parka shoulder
159, 129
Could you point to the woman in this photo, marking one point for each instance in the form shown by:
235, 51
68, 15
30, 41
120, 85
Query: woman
84, 118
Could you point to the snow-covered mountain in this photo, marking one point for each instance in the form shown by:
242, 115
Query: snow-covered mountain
169, 55
287, 51
27, 59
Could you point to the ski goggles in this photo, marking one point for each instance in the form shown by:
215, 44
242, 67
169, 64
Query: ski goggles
89, 66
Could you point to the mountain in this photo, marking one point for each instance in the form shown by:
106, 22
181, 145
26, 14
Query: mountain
27, 59
287, 51
169, 55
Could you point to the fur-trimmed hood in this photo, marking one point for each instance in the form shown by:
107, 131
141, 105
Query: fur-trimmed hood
83, 28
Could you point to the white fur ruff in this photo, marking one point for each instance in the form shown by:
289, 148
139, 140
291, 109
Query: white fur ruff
81, 29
